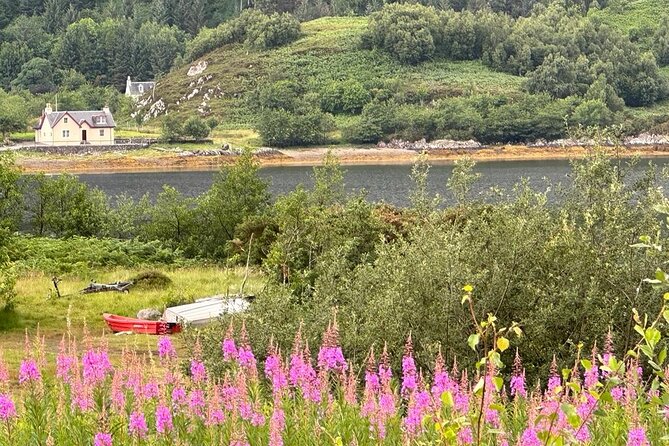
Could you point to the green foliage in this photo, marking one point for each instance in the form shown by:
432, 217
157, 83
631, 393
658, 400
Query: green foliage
81, 254
281, 128
36, 76
571, 261
273, 31
170, 219
251, 27
347, 96
63, 206
237, 194
410, 32
13, 114
172, 128
196, 128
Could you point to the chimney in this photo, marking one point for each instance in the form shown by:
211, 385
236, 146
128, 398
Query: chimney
48, 110
127, 85
106, 109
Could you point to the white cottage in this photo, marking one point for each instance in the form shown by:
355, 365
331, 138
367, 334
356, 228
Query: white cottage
65, 128
136, 89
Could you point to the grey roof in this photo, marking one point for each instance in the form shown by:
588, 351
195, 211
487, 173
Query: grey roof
132, 88
91, 117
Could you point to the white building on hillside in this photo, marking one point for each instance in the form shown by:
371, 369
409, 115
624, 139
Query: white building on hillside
137, 89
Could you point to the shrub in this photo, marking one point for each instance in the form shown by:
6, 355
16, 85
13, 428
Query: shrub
275, 30
347, 96
171, 128
151, 280
409, 32
196, 128
282, 128
377, 120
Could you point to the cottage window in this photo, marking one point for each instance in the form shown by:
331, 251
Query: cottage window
65, 120
102, 132
141, 88
66, 133
101, 120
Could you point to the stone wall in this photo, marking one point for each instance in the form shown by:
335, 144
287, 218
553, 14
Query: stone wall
83, 149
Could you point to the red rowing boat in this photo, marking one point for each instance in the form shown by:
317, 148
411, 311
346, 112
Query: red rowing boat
121, 323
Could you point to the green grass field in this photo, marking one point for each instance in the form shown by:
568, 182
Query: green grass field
633, 14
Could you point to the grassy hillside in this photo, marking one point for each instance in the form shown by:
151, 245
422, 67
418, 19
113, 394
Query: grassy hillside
328, 50
633, 14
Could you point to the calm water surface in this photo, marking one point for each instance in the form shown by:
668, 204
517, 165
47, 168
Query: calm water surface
388, 183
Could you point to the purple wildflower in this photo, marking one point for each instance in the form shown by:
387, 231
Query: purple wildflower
637, 437
29, 372
530, 438
465, 436
165, 348
137, 425
96, 365
163, 419
102, 439
197, 370
7, 408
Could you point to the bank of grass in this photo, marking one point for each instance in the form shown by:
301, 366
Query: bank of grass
627, 15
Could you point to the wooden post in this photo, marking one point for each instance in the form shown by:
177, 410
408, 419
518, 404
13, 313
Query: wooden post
55, 281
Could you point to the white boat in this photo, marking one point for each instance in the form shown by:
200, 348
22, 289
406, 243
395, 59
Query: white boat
205, 310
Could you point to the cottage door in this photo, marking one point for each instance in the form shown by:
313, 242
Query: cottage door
83, 135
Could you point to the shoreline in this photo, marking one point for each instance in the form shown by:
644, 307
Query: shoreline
127, 162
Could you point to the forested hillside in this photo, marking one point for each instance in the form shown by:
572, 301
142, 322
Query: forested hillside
493, 70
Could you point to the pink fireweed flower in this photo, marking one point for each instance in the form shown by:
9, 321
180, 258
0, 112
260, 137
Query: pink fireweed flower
330, 355
637, 437
165, 348
4, 372
196, 402
96, 366
117, 394
102, 439
530, 438
82, 396
197, 370
518, 387
409, 382
275, 372
179, 396
419, 404
276, 426
350, 389
229, 348
137, 426
465, 436
163, 419
28, 372
246, 357
150, 390
7, 408
554, 380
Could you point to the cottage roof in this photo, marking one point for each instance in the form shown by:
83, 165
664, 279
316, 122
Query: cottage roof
91, 117
132, 88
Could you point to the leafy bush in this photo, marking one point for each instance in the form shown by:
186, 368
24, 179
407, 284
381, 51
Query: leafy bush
281, 128
81, 254
272, 31
251, 27
347, 96
151, 280
409, 32
196, 128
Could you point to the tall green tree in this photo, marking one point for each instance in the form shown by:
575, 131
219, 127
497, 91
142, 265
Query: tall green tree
238, 193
